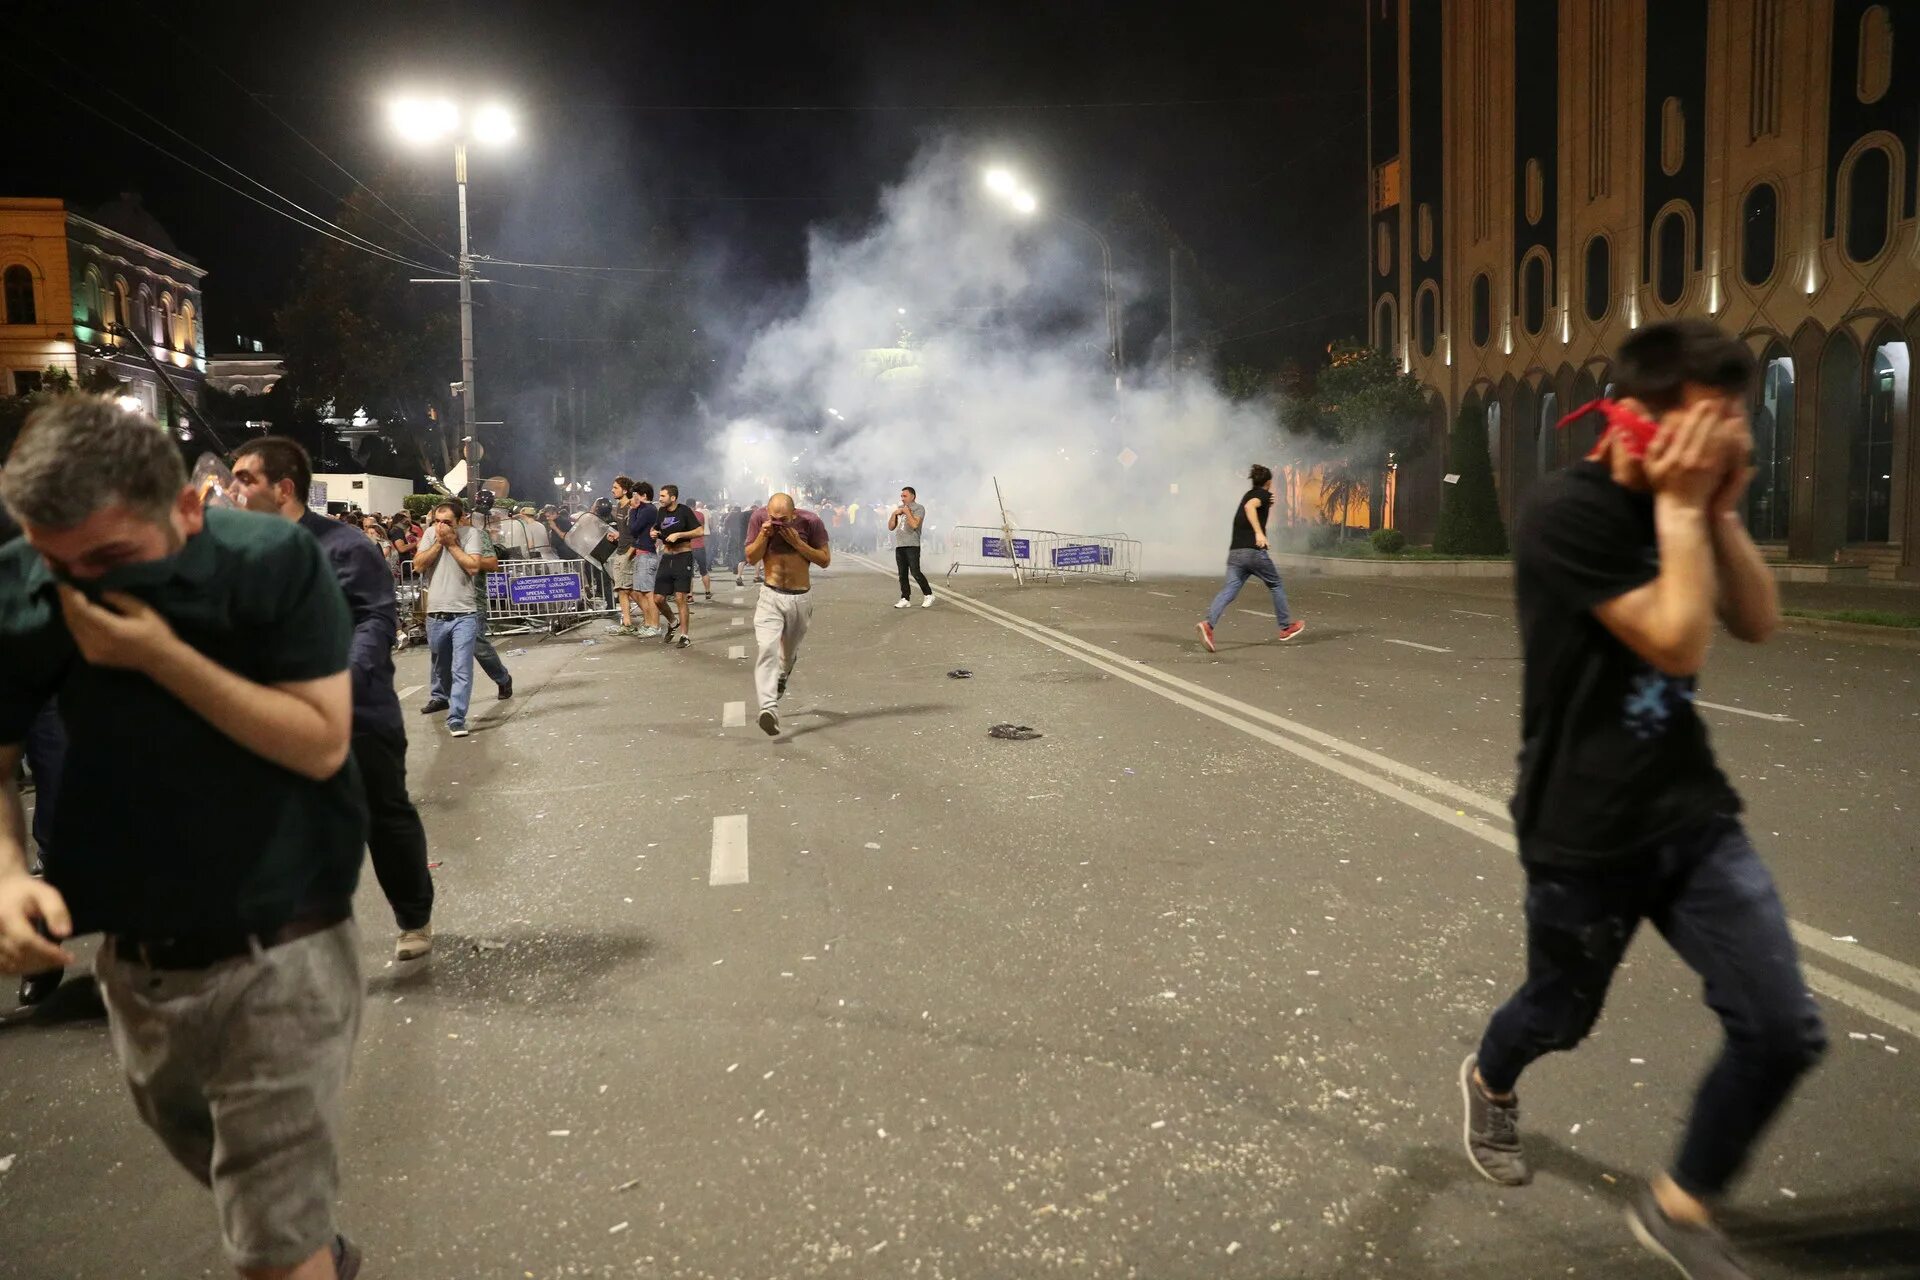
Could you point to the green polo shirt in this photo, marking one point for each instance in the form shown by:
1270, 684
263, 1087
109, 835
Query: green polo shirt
165, 826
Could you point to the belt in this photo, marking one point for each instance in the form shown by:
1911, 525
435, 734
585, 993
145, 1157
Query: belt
204, 950
785, 591
450, 613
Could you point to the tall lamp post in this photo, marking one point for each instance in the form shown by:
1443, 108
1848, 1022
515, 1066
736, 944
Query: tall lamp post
1006, 187
427, 120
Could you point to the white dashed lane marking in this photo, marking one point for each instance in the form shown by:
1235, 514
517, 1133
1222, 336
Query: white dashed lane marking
729, 862
1774, 716
737, 651
733, 715
1414, 644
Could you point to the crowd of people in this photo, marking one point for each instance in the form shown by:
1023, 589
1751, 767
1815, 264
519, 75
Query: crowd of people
254, 646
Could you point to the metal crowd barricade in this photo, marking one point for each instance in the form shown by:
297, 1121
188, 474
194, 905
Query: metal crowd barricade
1088, 555
978, 547
532, 595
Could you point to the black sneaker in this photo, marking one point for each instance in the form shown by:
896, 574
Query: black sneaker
780, 686
346, 1258
770, 721
506, 691
685, 642
1492, 1132
434, 707
666, 636
1699, 1253
38, 988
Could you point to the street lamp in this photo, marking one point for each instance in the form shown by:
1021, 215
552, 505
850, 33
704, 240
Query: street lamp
428, 120
1006, 187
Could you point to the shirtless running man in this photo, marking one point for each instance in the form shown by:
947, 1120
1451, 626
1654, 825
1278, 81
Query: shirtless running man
786, 544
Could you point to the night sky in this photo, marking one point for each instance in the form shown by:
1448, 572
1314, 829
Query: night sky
736, 125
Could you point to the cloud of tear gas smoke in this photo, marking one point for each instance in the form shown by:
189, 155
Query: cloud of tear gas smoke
952, 342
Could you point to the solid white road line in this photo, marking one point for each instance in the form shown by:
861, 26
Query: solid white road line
1850, 994
737, 651
729, 861
736, 622
1414, 644
1471, 614
1168, 594
1774, 716
1885, 968
409, 691
733, 715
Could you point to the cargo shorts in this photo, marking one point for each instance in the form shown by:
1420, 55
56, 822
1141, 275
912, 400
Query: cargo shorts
620, 565
239, 1069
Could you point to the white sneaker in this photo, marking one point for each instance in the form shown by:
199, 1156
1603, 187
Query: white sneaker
461, 732
927, 603
904, 604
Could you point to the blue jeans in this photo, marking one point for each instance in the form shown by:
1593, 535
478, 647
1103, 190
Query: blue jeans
1244, 563
1711, 898
450, 643
489, 659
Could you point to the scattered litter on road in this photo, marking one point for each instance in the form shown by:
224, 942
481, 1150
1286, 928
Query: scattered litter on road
559, 1133
1789, 1193
603, 1088
488, 944
1158, 1124
1847, 938
1233, 1248
516, 653
1048, 795
6, 1162
589, 641
433, 866
1638, 1062
872, 845
959, 673
1575, 1129
616, 1228
1127, 771
1013, 732
627, 1186
735, 1067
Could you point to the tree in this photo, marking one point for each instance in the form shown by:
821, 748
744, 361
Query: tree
1470, 522
357, 335
1374, 414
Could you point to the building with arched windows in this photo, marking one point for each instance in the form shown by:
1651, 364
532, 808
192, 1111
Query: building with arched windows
1562, 171
72, 275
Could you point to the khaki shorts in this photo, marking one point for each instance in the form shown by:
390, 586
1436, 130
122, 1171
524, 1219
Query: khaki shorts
620, 565
239, 1069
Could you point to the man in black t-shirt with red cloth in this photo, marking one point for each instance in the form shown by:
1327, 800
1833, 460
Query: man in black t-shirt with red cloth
1247, 558
1621, 563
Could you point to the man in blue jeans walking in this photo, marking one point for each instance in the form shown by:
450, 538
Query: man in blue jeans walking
1621, 563
1247, 558
453, 558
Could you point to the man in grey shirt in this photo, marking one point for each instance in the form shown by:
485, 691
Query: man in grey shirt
452, 557
905, 521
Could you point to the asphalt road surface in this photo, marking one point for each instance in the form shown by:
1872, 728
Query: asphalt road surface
1178, 989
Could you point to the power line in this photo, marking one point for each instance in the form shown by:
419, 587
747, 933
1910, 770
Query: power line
873, 108
231, 168
258, 101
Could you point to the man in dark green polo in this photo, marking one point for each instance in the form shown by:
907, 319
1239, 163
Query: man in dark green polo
211, 824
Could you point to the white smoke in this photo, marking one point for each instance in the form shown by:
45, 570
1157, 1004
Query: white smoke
1002, 373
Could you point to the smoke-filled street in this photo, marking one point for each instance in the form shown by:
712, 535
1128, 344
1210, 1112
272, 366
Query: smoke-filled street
1180, 987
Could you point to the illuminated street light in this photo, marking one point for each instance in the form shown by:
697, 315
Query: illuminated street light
493, 124
130, 404
559, 482
1010, 191
423, 119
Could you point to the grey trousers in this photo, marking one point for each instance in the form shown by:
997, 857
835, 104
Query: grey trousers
780, 623
239, 1069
